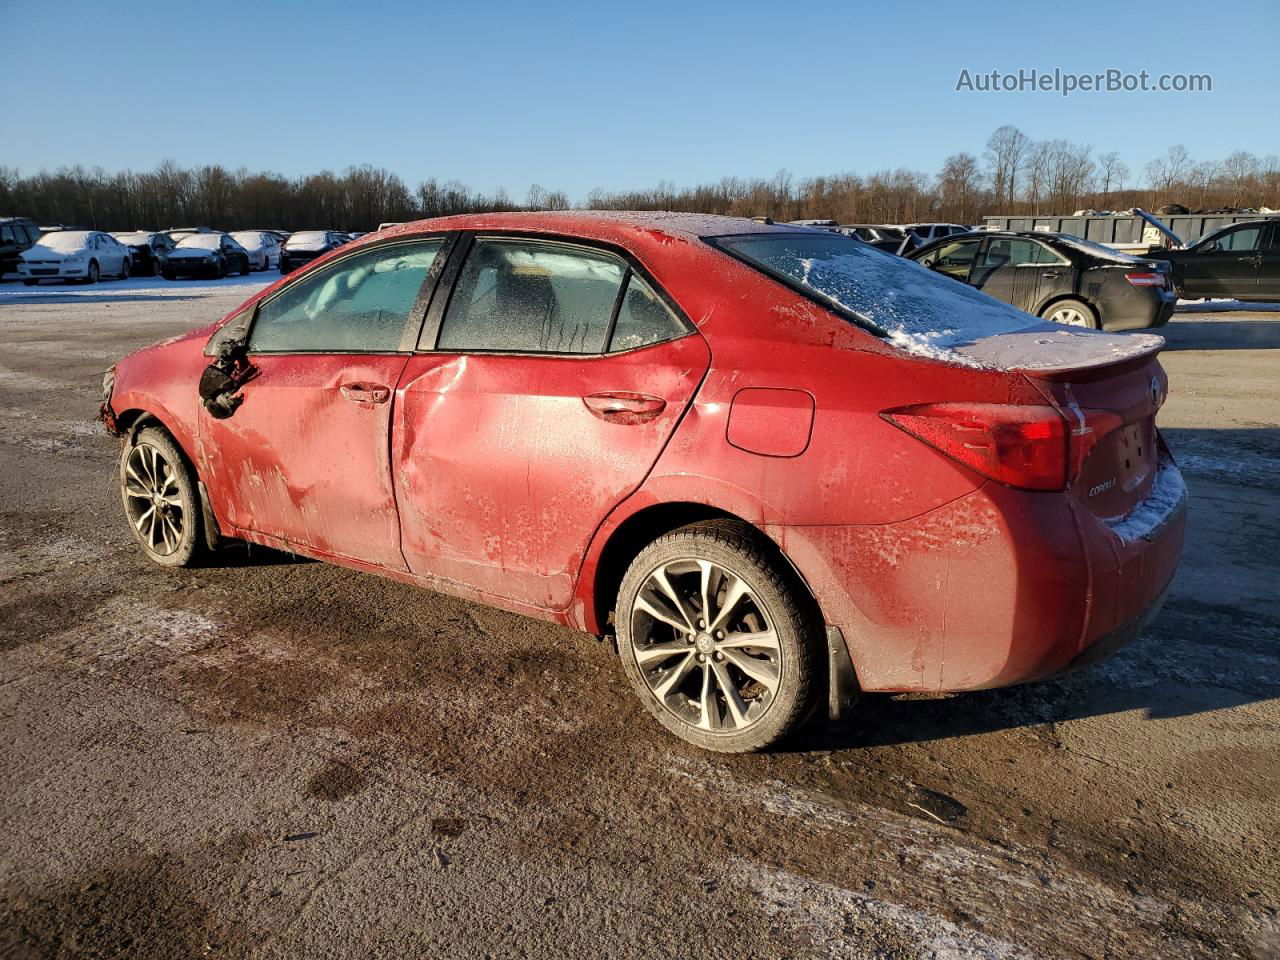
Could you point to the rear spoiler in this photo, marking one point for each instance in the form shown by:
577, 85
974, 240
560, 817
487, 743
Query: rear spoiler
1172, 240
1052, 352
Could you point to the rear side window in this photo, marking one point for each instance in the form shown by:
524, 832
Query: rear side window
358, 305
523, 296
643, 318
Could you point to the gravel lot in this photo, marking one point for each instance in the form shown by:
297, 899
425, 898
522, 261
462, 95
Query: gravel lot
273, 758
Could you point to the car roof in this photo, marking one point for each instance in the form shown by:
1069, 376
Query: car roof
615, 225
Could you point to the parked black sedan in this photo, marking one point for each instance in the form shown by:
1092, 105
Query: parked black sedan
148, 251
1062, 278
305, 245
205, 255
1241, 262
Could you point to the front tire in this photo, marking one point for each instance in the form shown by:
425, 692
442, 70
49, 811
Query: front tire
1072, 313
160, 498
719, 638
94, 274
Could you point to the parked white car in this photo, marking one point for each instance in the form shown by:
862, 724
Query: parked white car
85, 255
263, 248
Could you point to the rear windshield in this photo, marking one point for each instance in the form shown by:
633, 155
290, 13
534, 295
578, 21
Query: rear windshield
132, 238
1098, 250
924, 312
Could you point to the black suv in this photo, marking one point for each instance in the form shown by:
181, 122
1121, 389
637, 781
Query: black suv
16, 235
1059, 277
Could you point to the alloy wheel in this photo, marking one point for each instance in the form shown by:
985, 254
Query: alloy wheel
1070, 316
153, 499
705, 645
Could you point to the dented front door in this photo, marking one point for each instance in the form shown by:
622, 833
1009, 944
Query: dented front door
304, 457
506, 465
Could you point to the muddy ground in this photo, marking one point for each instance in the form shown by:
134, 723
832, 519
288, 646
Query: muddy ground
283, 759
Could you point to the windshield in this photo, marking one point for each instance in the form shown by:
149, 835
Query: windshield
308, 238
917, 309
66, 241
201, 241
134, 238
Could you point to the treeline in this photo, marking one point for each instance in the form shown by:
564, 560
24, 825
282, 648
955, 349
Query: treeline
1014, 174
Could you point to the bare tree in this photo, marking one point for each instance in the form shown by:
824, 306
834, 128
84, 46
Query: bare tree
1112, 174
1164, 172
1006, 150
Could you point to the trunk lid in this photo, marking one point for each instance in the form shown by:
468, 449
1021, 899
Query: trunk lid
1109, 387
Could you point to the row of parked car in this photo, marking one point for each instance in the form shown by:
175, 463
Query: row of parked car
1068, 279
36, 254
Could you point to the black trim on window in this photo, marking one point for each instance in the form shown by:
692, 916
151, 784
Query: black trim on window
430, 338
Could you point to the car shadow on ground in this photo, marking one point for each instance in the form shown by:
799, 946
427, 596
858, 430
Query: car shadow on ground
233, 554
1192, 659
1241, 334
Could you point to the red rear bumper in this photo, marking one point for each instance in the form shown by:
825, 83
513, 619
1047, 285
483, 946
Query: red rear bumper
997, 588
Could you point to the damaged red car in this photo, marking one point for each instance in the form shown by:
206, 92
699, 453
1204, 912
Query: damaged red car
776, 464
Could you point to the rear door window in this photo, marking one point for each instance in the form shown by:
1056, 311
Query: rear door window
643, 319
358, 305
527, 296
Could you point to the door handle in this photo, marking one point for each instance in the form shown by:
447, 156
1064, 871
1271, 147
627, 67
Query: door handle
365, 392
1051, 275
622, 407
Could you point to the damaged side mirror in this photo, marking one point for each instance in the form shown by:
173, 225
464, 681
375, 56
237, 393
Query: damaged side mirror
222, 379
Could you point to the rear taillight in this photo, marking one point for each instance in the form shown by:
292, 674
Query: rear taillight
1022, 446
1145, 279
1029, 447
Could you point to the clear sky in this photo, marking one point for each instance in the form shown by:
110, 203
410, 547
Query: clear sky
613, 95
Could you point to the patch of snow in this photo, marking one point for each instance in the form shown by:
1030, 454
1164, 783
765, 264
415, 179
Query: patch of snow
1168, 493
1213, 306
147, 288
307, 240
839, 921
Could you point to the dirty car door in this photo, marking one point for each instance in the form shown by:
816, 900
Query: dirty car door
304, 459
535, 415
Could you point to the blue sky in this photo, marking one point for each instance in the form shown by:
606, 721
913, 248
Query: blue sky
611, 95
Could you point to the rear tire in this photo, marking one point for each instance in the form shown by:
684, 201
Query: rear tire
735, 664
1072, 313
244, 271
161, 500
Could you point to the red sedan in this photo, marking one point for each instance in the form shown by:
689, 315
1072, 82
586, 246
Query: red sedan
777, 464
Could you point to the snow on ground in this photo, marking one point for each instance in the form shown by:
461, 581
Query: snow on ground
1223, 306
135, 288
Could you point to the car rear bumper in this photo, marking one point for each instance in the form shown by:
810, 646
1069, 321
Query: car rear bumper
1139, 312
997, 588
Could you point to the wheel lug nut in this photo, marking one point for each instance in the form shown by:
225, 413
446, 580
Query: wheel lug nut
702, 658
701, 624
719, 634
719, 656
